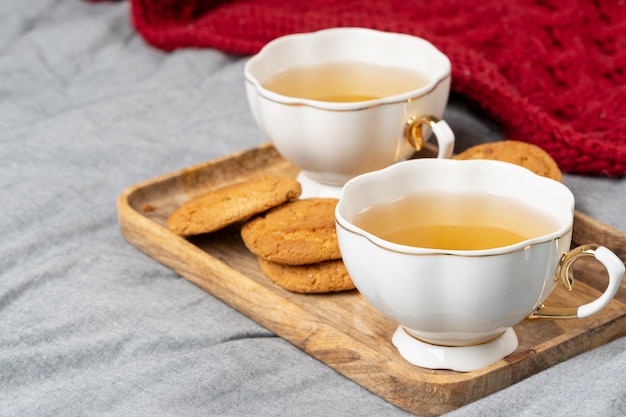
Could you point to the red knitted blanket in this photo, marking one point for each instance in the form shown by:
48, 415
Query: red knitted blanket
551, 72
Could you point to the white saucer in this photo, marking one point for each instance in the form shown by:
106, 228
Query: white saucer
311, 188
462, 359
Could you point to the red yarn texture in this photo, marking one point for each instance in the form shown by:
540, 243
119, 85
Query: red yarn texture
551, 72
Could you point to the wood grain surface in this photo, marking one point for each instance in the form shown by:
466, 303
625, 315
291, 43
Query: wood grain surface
342, 330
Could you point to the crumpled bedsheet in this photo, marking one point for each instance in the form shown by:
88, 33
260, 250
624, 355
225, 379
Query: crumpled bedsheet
89, 325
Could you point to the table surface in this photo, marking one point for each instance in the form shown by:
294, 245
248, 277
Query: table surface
91, 326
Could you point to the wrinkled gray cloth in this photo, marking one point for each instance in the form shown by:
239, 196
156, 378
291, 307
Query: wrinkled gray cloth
89, 325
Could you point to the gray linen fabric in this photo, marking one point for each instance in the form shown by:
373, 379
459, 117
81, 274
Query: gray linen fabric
91, 326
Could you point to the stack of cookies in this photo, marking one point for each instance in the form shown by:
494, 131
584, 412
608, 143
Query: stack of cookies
295, 240
297, 247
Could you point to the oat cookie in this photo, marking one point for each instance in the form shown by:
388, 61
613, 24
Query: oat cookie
219, 208
524, 154
296, 233
322, 277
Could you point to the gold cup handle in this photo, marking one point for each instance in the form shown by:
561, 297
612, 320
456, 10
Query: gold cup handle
441, 130
615, 268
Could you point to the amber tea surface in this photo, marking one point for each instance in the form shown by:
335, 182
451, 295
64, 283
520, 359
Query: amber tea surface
451, 221
345, 82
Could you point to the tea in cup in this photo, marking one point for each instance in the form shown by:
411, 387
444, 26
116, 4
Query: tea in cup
459, 252
341, 102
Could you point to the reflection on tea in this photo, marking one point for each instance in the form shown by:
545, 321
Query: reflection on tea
345, 82
455, 221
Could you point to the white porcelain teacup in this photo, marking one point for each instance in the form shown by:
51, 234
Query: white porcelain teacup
332, 141
456, 307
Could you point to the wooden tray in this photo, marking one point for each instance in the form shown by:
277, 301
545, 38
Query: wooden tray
342, 330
